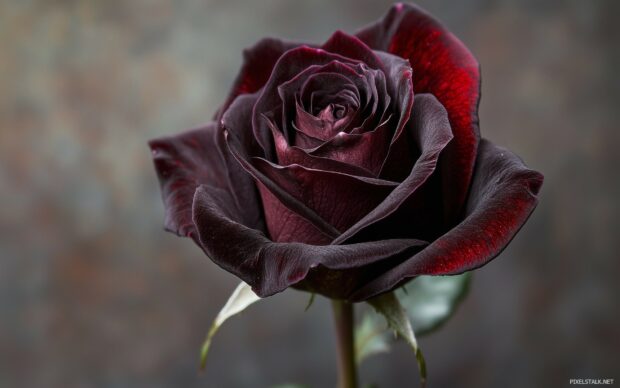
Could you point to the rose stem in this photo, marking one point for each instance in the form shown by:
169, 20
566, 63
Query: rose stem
343, 317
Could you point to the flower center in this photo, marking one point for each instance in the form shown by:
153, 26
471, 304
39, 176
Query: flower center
332, 112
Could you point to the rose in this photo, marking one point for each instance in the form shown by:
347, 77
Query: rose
323, 172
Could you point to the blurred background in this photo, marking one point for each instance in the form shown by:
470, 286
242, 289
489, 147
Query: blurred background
93, 293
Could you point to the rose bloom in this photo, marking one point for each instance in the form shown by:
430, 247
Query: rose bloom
349, 168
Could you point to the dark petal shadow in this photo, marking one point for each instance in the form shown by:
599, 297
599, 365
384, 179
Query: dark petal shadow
430, 131
503, 195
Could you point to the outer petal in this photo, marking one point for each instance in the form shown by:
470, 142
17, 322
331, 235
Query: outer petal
182, 163
196, 157
444, 67
272, 267
503, 195
351, 47
258, 62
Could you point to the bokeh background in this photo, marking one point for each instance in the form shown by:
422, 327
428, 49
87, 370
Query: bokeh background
94, 294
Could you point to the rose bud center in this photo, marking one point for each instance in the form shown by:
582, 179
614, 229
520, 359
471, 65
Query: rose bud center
325, 107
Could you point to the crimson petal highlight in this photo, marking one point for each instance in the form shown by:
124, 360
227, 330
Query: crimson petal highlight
447, 69
504, 193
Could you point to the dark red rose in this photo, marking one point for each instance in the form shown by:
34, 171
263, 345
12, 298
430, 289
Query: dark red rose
324, 172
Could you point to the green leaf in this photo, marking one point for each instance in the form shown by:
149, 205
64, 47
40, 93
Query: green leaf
239, 300
310, 301
371, 337
431, 300
396, 316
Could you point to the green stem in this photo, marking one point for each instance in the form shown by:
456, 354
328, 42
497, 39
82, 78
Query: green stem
343, 318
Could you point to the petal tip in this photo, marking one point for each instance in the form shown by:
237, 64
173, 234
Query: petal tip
535, 182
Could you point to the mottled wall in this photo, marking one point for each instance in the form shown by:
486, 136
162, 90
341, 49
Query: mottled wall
94, 294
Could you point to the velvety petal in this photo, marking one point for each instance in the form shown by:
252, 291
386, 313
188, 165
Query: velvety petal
340, 199
198, 156
288, 155
258, 63
352, 47
398, 74
304, 141
241, 186
376, 106
284, 225
503, 195
430, 131
366, 150
182, 163
271, 267
243, 147
397, 163
444, 67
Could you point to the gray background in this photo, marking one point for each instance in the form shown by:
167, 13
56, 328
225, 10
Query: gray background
94, 294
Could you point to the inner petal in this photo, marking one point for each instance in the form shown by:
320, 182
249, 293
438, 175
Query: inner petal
315, 88
321, 89
325, 105
326, 123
